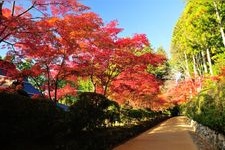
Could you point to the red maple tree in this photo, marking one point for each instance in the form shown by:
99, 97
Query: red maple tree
65, 41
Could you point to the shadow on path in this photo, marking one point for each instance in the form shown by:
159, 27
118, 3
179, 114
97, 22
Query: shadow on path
169, 135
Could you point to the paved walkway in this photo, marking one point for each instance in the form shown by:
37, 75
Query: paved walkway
169, 135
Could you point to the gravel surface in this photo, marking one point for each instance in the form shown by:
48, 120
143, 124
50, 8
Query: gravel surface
200, 142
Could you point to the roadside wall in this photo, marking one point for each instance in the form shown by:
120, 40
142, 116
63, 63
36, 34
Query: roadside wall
217, 140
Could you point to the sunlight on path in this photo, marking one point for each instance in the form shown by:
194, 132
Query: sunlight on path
169, 135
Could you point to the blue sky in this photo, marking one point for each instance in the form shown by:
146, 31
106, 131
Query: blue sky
155, 18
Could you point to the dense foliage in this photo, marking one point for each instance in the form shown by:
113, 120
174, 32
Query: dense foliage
22, 117
198, 39
56, 44
89, 124
197, 49
93, 111
208, 107
70, 55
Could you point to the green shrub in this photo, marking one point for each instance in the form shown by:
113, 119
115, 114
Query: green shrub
91, 111
208, 108
131, 115
23, 118
112, 113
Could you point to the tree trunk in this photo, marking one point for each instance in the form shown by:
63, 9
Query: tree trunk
220, 22
186, 63
204, 62
194, 66
105, 90
199, 64
209, 61
49, 84
106, 86
56, 90
93, 83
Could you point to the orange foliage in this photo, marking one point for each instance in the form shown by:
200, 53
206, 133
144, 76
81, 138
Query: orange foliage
136, 86
184, 90
66, 41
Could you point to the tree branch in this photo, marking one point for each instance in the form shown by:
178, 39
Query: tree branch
1, 5
13, 8
32, 6
3, 39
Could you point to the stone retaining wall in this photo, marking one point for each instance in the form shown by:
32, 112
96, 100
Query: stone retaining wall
216, 139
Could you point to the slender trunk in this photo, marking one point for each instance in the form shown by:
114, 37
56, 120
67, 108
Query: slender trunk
220, 22
105, 90
106, 86
94, 84
49, 84
186, 63
110, 78
209, 61
56, 90
199, 65
194, 66
57, 77
204, 62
